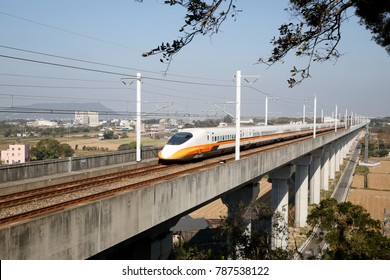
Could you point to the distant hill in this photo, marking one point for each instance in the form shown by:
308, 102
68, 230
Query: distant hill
55, 111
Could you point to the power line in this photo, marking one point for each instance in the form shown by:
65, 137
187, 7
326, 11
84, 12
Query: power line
42, 97
22, 110
57, 78
108, 65
70, 32
111, 72
64, 87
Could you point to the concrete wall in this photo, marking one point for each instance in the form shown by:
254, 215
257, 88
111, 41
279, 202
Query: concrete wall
81, 232
36, 169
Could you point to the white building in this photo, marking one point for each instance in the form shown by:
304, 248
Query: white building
86, 118
18, 153
42, 123
329, 120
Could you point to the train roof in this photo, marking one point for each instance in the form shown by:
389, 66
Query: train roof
229, 128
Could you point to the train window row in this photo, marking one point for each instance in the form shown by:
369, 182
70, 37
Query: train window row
223, 137
233, 136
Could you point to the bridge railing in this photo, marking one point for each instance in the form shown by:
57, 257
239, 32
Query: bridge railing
35, 169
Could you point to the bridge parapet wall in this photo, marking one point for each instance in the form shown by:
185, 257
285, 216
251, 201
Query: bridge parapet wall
36, 169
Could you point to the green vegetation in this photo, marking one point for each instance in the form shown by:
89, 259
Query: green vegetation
50, 149
362, 170
379, 140
231, 241
313, 33
349, 231
127, 146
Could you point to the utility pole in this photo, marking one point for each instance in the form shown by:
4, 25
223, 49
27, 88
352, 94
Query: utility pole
266, 110
304, 113
138, 117
351, 121
138, 127
238, 113
315, 116
335, 120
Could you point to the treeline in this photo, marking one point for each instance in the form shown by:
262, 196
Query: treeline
348, 230
11, 129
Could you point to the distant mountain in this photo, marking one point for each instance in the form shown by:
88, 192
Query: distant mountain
54, 111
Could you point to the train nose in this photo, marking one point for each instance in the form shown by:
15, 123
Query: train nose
166, 153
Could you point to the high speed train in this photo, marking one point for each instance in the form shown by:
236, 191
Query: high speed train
196, 143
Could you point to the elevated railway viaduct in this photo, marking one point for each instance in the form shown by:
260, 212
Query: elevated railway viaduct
146, 214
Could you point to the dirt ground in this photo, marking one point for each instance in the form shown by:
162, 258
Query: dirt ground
88, 141
377, 196
358, 182
373, 200
217, 210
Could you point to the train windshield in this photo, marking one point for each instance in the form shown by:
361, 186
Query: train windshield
179, 138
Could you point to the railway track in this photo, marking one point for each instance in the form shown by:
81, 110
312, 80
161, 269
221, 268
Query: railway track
68, 195
58, 189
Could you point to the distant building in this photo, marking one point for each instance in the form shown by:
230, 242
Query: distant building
42, 123
86, 118
329, 120
18, 153
246, 121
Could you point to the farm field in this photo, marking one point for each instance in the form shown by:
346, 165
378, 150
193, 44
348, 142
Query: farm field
376, 197
88, 141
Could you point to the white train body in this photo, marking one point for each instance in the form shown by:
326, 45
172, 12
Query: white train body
196, 143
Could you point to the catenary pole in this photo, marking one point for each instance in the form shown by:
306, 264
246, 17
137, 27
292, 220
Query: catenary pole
138, 126
266, 110
238, 113
335, 120
315, 116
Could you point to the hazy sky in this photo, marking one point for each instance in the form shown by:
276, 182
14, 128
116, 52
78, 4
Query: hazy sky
117, 32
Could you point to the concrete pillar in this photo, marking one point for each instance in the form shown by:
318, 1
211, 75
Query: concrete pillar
344, 147
279, 205
301, 190
238, 200
315, 176
343, 150
325, 168
161, 246
238, 203
332, 161
153, 244
337, 156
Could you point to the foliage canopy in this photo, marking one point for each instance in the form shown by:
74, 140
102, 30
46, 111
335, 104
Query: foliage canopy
51, 149
314, 31
349, 231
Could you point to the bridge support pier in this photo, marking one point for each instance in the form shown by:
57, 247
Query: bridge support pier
315, 176
337, 156
325, 164
158, 241
332, 161
279, 204
238, 203
301, 190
